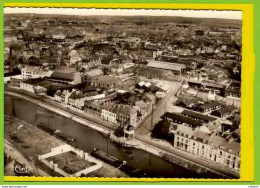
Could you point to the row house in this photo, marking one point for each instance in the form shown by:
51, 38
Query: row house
207, 146
119, 114
77, 98
62, 96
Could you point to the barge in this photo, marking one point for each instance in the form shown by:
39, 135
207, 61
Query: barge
56, 133
122, 165
64, 137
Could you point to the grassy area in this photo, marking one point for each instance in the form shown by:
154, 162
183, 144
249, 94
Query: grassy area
70, 162
33, 142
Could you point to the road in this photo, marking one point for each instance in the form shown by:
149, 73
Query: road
143, 137
161, 107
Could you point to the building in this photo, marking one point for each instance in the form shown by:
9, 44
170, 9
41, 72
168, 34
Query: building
34, 86
77, 98
162, 87
107, 82
207, 107
233, 94
119, 114
174, 67
154, 73
223, 111
93, 107
181, 119
65, 78
16, 82
198, 116
91, 76
207, 146
189, 103
34, 72
223, 152
62, 96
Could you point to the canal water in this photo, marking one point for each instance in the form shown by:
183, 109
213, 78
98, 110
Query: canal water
87, 139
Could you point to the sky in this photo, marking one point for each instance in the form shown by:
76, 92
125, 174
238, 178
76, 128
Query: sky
129, 12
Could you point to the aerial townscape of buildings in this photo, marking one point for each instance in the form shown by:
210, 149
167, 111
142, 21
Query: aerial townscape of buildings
173, 81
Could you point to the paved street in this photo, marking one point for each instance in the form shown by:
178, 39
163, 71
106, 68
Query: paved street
165, 146
161, 107
145, 133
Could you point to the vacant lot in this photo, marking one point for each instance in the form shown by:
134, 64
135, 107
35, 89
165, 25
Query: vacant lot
70, 162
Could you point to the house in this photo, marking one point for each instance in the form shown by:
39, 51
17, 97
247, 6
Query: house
223, 111
62, 96
207, 146
142, 106
91, 76
224, 153
207, 107
182, 135
93, 107
77, 98
119, 114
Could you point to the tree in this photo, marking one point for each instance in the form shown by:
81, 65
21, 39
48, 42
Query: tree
161, 130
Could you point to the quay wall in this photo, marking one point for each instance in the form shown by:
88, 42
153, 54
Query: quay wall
62, 113
142, 145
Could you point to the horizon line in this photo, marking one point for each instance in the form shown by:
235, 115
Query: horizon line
217, 14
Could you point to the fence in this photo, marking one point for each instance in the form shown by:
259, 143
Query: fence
66, 148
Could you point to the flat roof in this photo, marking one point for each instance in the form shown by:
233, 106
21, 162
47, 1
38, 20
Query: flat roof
165, 65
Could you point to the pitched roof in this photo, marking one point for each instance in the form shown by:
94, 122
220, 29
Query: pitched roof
231, 147
210, 105
62, 76
198, 115
183, 119
201, 136
94, 72
185, 129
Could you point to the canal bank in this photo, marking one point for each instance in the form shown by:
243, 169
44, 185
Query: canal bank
135, 160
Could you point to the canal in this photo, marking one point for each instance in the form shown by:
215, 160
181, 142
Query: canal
87, 139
